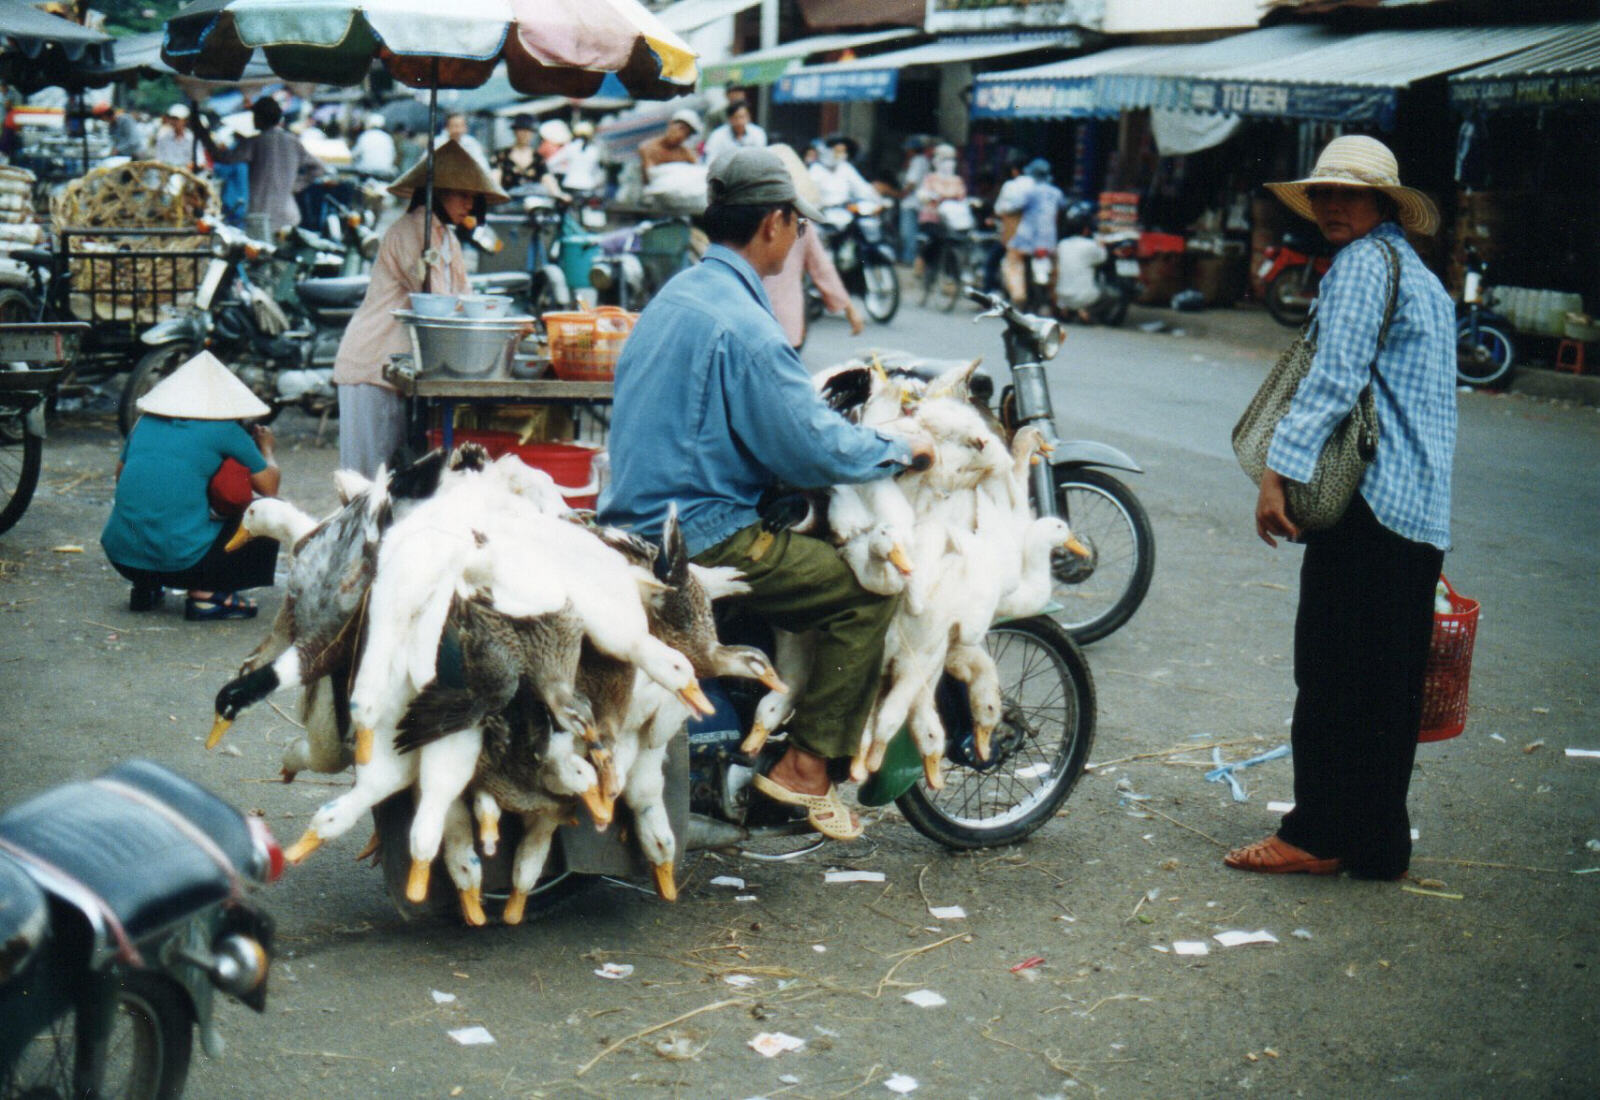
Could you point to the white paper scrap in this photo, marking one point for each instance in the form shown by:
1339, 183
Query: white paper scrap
924, 998
1594, 753
852, 876
818, 948
729, 881
615, 971
947, 912
744, 897
443, 998
472, 1036
740, 981
789, 1079
1161, 947
1279, 807
1191, 947
1301, 934
1415, 835
770, 1044
1237, 939
901, 1083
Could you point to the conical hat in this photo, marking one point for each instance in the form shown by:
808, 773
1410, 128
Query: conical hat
1358, 161
454, 169
203, 389
805, 188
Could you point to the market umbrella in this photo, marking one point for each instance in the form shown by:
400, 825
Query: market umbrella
563, 47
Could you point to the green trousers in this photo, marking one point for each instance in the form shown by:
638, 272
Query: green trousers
799, 583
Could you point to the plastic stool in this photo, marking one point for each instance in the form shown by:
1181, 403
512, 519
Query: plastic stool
1570, 355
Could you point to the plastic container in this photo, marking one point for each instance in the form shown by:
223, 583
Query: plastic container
1449, 669
434, 305
584, 346
478, 306
570, 465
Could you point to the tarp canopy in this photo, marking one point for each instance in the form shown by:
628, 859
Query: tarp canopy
1306, 71
766, 66
38, 50
1061, 89
878, 78
1562, 72
690, 15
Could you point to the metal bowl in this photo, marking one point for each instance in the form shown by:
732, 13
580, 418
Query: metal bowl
461, 347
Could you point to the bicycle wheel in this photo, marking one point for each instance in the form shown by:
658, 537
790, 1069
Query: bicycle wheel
1484, 358
21, 455
1100, 593
1037, 753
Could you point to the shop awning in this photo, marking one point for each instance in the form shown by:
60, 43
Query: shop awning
1563, 72
1310, 72
690, 15
766, 66
1061, 89
876, 78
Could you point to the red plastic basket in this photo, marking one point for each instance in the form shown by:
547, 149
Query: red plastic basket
584, 346
1449, 671
568, 464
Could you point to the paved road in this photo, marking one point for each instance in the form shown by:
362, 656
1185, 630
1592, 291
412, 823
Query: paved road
1484, 987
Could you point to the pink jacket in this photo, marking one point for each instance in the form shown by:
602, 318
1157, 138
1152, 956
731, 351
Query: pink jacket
787, 290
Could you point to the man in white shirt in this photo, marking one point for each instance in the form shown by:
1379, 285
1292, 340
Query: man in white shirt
174, 142
455, 129
374, 151
837, 179
1078, 257
577, 163
736, 133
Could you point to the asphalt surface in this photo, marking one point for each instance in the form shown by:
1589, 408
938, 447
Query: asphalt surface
1475, 978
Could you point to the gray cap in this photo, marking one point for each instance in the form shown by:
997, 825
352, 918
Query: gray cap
754, 177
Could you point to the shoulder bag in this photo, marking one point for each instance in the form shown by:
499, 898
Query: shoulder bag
1319, 502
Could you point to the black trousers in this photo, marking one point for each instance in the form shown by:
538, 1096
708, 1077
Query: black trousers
250, 566
1361, 641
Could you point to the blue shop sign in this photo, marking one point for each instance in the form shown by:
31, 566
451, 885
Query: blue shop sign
1332, 102
1070, 98
848, 86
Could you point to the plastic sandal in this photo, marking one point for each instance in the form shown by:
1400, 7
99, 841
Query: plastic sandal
1275, 856
824, 812
221, 605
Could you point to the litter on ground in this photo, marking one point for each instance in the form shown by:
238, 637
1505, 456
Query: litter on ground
1593, 754
901, 1084
1190, 947
443, 998
1238, 939
472, 1036
852, 876
1223, 773
955, 912
770, 1044
925, 998
740, 981
614, 971
731, 881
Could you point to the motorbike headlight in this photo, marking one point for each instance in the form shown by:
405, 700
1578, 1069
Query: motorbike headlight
1047, 335
238, 965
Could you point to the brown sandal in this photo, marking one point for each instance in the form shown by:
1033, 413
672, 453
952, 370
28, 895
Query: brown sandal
1276, 856
824, 812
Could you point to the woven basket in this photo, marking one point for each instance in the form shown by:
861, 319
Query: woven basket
1449, 671
141, 194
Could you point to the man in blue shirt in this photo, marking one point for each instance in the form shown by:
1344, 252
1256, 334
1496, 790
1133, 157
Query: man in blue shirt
713, 408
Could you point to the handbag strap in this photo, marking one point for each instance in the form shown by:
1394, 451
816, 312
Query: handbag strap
1367, 444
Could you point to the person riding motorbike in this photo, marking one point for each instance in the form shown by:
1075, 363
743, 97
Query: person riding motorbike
1038, 208
713, 409
837, 179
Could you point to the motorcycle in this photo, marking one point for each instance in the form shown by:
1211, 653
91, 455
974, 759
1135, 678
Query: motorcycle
33, 359
1485, 353
864, 258
1118, 281
1038, 752
1097, 594
632, 264
124, 908
285, 355
1290, 274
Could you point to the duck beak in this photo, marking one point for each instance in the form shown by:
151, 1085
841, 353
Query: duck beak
695, 699
769, 678
1077, 547
240, 537
218, 729
303, 847
900, 559
754, 739
599, 808
666, 885
363, 751
1046, 448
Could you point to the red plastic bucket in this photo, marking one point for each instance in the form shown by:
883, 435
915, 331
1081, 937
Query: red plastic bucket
568, 464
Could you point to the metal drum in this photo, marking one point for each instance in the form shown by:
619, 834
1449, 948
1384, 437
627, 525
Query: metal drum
461, 347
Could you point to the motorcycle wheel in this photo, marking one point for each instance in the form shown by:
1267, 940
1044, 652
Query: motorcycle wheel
392, 819
1289, 296
21, 455
951, 262
1038, 750
1101, 594
16, 308
882, 297
148, 1050
1481, 361
152, 368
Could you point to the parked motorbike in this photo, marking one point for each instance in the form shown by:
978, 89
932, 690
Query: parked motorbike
1037, 755
1117, 279
1099, 593
33, 359
1291, 273
1485, 353
864, 258
630, 265
124, 907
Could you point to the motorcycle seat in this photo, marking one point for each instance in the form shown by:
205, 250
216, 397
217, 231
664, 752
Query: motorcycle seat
503, 282
107, 838
34, 257
333, 292
24, 918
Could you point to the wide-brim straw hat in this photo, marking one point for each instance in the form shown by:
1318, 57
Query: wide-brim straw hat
1357, 161
805, 188
454, 169
203, 389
